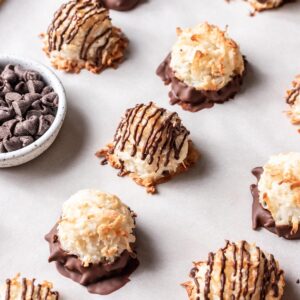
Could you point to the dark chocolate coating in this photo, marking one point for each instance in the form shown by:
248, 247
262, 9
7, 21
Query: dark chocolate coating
191, 99
102, 278
261, 217
121, 5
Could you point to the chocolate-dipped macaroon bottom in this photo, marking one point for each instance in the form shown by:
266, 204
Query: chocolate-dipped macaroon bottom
121, 5
102, 278
261, 217
194, 100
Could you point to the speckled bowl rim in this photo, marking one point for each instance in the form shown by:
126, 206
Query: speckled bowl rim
48, 75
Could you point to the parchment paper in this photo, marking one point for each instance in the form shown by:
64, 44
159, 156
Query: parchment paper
194, 213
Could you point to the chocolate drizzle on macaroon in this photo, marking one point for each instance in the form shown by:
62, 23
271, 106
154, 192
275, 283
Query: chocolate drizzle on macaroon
293, 100
293, 95
150, 145
137, 124
239, 270
27, 289
81, 36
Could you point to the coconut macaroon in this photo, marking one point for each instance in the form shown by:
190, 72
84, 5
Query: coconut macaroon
204, 67
121, 5
293, 100
150, 145
81, 35
93, 242
276, 197
27, 289
260, 5
237, 271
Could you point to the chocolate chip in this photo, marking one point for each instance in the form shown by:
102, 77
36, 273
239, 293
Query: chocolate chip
31, 97
12, 96
32, 125
26, 140
35, 86
50, 118
37, 105
33, 112
21, 106
10, 124
5, 87
50, 99
46, 110
10, 76
27, 107
2, 149
45, 123
47, 89
30, 86
9, 67
2, 83
19, 71
7, 128
31, 75
8, 88
20, 130
12, 144
6, 113
4, 133
21, 88
19, 118
3, 103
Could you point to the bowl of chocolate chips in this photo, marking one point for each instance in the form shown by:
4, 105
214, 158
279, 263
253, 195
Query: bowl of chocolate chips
32, 110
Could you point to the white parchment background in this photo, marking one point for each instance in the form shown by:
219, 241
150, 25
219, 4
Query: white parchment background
194, 213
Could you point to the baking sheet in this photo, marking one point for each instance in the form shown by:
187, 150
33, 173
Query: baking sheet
194, 213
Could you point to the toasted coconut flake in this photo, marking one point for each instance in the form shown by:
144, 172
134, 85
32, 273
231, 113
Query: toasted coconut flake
205, 58
279, 188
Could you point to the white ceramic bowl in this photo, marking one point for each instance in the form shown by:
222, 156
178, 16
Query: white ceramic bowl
35, 149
